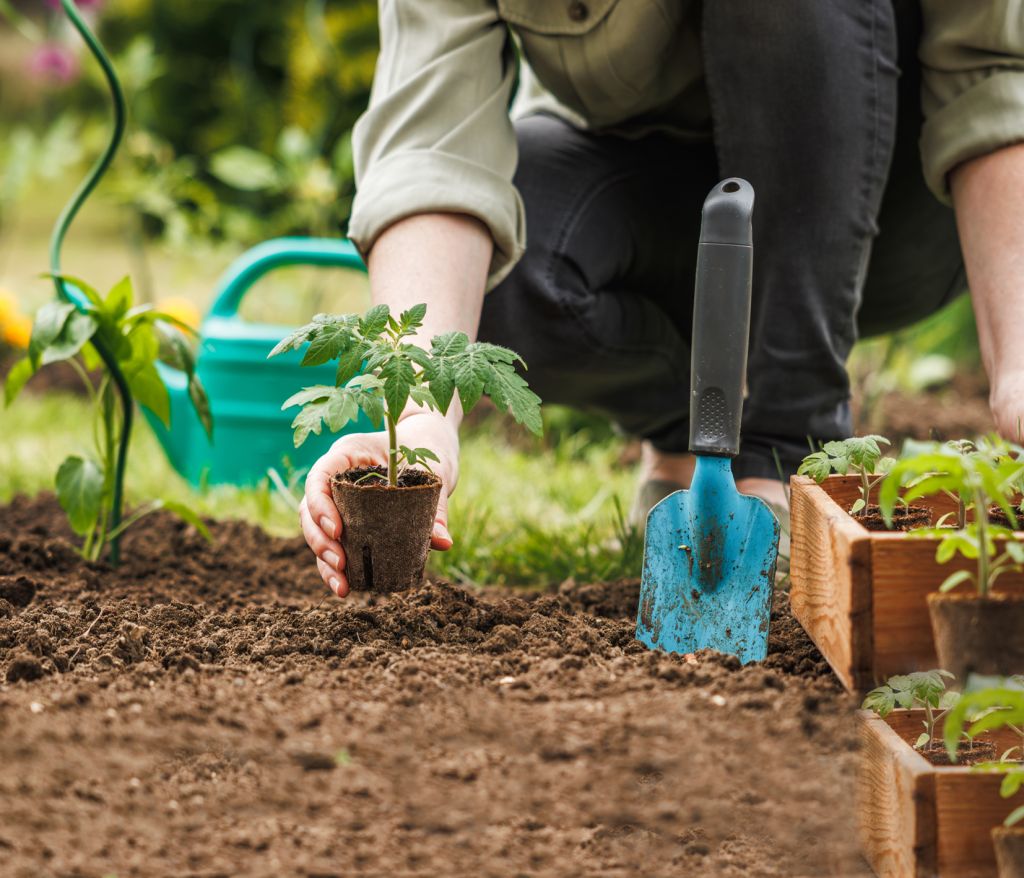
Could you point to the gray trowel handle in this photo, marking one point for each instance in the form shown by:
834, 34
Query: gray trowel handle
721, 319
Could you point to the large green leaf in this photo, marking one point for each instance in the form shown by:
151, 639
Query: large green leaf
119, 299
148, 390
246, 169
399, 376
77, 330
330, 341
80, 492
374, 322
16, 379
50, 320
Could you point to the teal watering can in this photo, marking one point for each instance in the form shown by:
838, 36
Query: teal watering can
250, 432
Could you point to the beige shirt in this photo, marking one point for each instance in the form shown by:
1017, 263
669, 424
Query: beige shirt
438, 136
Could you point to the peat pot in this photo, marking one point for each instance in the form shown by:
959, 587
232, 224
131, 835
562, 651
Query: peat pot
386, 531
981, 635
1009, 844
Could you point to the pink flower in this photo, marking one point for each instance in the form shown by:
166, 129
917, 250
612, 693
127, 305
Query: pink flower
54, 64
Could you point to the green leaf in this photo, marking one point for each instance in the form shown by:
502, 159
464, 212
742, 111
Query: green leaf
201, 403
16, 379
308, 420
119, 299
817, 465
189, 516
374, 322
857, 506
449, 344
82, 287
922, 740
442, 385
399, 376
1012, 782
80, 492
417, 456
1015, 816
246, 169
422, 396
77, 330
350, 363
174, 349
881, 700
372, 404
509, 391
308, 394
148, 390
340, 409
411, 320
50, 320
295, 339
329, 341
955, 579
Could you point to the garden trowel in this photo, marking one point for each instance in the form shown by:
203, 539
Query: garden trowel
710, 552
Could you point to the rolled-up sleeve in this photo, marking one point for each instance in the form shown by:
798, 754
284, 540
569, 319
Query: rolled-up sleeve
972, 59
437, 136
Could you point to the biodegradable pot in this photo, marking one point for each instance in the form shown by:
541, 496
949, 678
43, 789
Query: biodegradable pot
981, 635
1009, 844
385, 531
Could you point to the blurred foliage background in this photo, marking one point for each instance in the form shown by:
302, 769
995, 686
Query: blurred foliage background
240, 112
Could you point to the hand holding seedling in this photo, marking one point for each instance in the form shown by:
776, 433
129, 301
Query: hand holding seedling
403, 387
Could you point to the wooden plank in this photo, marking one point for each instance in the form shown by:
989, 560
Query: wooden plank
918, 819
830, 590
860, 595
895, 804
968, 807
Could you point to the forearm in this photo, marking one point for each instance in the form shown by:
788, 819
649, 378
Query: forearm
988, 194
440, 259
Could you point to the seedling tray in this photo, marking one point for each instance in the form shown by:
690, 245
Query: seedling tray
917, 819
861, 595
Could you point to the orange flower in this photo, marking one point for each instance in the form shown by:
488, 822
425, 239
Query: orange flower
182, 308
17, 330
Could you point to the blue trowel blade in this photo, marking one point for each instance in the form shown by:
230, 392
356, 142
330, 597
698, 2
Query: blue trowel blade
709, 568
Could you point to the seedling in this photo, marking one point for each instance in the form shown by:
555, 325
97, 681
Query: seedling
924, 689
861, 455
136, 337
979, 477
379, 372
985, 710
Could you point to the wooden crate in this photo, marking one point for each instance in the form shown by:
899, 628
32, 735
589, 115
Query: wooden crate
916, 819
860, 595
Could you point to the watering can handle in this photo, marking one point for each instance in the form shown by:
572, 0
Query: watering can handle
721, 319
278, 253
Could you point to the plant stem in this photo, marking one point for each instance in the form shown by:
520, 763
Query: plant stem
981, 518
392, 450
865, 487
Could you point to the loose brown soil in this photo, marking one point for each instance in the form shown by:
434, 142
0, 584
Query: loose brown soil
904, 518
201, 711
966, 754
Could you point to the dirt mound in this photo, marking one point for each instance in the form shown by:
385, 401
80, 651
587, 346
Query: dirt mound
202, 711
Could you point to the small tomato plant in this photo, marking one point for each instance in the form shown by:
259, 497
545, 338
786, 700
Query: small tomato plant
925, 689
985, 710
977, 477
379, 371
136, 337
861, 455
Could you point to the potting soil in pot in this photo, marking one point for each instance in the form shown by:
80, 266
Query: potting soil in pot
199, 711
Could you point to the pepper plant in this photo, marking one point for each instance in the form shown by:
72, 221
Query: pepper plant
979, 476
924, 689
379, 371
860, 455
985, 710
136, 337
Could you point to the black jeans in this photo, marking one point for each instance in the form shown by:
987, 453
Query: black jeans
809, 105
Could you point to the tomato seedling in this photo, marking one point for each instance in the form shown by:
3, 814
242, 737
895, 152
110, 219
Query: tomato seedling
924, 689
136, 337
861, 455
978, 477
985, 710
379, 372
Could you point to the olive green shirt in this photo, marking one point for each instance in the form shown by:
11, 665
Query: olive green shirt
438, 136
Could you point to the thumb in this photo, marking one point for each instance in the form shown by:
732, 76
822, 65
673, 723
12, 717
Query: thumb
440, 538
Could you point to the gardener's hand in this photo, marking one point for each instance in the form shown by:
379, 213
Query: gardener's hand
321, 523
1007, 402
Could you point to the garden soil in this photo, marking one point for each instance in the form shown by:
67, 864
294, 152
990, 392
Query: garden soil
204, 711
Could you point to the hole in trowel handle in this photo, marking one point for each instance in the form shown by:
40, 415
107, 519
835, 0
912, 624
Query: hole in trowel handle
731, 186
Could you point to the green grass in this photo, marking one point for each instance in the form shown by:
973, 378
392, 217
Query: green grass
526, 511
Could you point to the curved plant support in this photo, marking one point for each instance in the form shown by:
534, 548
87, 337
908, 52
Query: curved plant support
64, 221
